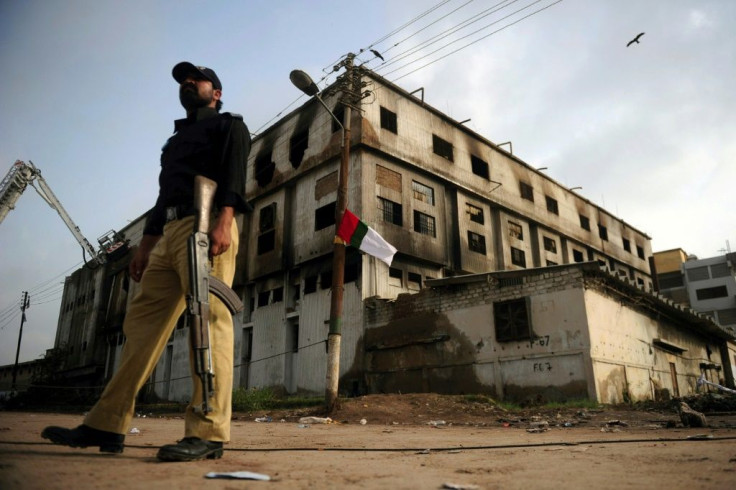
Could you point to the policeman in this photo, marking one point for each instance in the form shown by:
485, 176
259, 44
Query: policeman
215, 145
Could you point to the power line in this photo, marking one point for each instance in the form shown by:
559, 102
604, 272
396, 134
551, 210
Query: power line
469, 35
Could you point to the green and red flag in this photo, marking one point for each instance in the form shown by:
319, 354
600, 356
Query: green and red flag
363, 237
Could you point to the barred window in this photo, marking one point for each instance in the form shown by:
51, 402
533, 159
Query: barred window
550, 245
390, 211
424, 224
518, 257
388, 120
527, 191
422, 192
476, 243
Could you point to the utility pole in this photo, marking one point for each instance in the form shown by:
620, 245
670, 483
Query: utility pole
25, 303
334, 335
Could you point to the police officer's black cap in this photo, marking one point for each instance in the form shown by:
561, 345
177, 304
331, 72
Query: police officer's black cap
185, 68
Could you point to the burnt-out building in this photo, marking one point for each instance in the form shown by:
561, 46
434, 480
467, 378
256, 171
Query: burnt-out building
451, 201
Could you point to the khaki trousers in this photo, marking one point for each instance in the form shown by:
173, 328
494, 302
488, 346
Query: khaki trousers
148, 325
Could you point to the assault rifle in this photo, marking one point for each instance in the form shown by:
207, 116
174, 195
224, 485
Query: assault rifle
201, 284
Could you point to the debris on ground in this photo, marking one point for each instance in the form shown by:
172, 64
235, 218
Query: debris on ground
238, 475
690, 417
315, 420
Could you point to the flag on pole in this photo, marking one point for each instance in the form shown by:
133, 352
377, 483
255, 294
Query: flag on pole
363, 237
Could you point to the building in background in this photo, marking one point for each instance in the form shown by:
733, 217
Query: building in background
452, 202
706, 285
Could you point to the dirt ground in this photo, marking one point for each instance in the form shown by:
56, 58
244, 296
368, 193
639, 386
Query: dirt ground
407, 441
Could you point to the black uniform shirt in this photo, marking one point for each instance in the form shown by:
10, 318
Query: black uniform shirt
206, 143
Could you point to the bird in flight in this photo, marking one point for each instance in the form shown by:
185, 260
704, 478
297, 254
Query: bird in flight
635, 40
377, 54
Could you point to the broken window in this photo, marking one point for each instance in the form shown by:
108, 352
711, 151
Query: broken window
550, 245
422, 192
475, 213
390, 211
518, 257
476, 242
603, 232
577, 256
442, 148
324, 216
527, 191
263, 297
339, 112
278, 294
310, 284
627, 245
395, 276
388, 120
267, 229
388, 178
424, 224
325, 279
584, 222
516, 231
552, 205
640, 252
479, 167
264, 168
297, 146
414, 281
512, 320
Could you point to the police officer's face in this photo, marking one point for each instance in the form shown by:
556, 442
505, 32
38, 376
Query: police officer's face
196, 92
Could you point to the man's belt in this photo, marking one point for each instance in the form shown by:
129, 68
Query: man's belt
180, 211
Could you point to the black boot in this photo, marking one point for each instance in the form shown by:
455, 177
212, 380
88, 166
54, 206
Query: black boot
190, 449
84, 436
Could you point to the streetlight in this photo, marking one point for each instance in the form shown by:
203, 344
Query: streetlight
304, 82
573, 188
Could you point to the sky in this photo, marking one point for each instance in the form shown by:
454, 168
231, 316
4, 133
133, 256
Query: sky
647, 130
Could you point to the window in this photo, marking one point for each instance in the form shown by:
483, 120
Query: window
512, 320
266, 229
603, 232
577, 256
325, 280
278, 294
476, 243
388, 120
390, 211
640, 252
698, 273
339, 112
264, 168
670, 280
476, 213
441, 147
518, 257
324, 216
584, 222
479, 167
310, 284
550, 245
414, 281
727, 316
424, 224
515, 231
720, 270
422, 192
627, 245
527, 191
394, 276
552, 205
263, 297
297, 146
550, 263
711, 293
